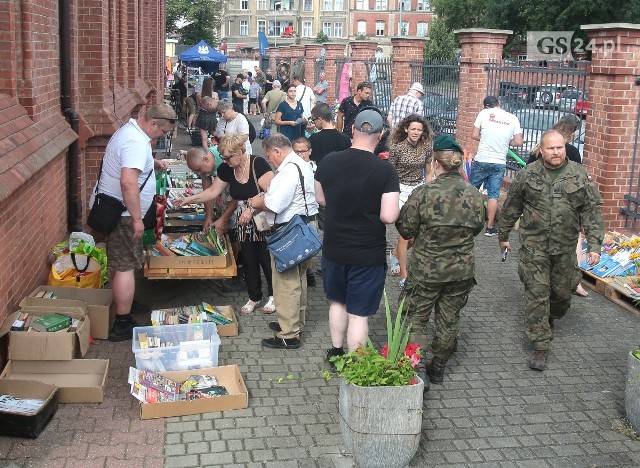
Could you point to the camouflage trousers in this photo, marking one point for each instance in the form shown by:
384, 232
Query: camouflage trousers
447, 299
549, 281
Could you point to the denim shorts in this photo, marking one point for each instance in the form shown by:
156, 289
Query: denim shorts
490, 175
358, 287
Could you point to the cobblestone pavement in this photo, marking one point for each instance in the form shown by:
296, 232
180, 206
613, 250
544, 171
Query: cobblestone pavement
490, 411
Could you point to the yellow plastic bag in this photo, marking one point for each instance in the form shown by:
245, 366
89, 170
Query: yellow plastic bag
75, 271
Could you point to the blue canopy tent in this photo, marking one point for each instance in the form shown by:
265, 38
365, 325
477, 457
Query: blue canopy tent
204, 56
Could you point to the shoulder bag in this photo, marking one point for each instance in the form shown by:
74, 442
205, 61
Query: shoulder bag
260, 218
296, 241
107, 210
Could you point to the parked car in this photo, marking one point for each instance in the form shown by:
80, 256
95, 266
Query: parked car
534, 123
568, 99
582, 106
445, 122
548, 95
435, 104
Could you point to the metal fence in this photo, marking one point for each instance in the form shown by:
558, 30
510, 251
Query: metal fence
380, 74
298, 68
539, 96
318, 67
441, 83
631, 206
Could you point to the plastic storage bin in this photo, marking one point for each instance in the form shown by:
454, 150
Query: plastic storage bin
176, 347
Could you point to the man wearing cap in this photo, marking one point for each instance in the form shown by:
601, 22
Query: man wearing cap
350, 106
361, 194
496, 130
128, 174
410, 103
442, 217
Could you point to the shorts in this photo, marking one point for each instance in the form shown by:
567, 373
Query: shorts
405, 191
123, 252
253, 100
358, 287
490, 175
191, 106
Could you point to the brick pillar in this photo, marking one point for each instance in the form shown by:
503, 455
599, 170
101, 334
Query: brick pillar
360, 52
613, 110
333, 51
311, 53
296, 52
405, 50
272, 53
479, 46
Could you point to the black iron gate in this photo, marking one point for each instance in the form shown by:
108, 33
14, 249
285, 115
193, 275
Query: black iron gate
342, 79
299, 69
380, 74
632, 197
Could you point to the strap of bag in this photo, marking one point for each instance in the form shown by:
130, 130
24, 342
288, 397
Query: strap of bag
306, 208
303, 91
100, 175
255, 179
75, 265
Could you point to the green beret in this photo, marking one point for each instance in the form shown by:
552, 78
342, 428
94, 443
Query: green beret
446, 143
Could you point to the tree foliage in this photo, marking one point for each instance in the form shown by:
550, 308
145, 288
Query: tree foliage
442, 42
195, 20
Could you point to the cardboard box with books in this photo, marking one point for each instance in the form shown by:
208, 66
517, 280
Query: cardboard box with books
99, 302
181, 393
223, 316
27, 344
26, 407
77, 380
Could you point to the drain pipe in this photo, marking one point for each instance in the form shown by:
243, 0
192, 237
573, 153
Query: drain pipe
74, 210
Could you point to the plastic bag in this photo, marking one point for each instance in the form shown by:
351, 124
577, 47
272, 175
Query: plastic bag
75, 271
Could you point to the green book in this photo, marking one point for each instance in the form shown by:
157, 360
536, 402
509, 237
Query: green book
51, 323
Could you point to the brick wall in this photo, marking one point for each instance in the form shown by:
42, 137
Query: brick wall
117, 62
405, 51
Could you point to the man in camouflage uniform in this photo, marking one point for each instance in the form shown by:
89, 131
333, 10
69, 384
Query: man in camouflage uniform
556, 198
442, 217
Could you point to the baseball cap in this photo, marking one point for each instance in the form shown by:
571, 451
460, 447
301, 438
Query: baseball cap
446, 143
490, 101
417, 87
371, 120
276, 83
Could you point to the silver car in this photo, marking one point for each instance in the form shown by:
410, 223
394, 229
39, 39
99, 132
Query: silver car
549, 95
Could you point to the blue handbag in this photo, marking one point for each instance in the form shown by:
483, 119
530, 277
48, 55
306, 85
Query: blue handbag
296, 241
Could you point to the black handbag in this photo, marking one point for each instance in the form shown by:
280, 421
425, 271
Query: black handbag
107, 210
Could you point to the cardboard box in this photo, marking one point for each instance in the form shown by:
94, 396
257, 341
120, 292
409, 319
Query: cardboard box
230, 329
48, 346
100, 305
78, 380
227, 376
194, 262
21, 425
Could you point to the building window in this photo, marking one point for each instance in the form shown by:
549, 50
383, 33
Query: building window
244, 28
244, 4
424, 5
403, 29
405, 4
381, 4
337, 29
362, 28
308, 5
262, 26
379, 28
362, 5
285, 5
262, 4
307, 30
326, 29
422, 29
328, 5
338, 5
230, 27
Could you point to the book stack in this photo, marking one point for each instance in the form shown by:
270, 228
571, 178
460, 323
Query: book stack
201, 244
51, 323
619, 256
190, 314
151, 387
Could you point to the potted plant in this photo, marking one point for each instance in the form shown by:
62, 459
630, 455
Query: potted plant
632, 389
380, 403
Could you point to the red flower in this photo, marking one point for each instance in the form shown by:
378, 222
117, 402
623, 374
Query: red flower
413, 381
385, 351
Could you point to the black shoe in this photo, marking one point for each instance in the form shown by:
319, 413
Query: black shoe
435, 370
122, 330
334, 352
491, 231
275, 326
138, 308
281, 343
421, 372
538, 359
311, 280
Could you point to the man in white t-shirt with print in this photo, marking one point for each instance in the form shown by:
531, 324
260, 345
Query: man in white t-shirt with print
496, 130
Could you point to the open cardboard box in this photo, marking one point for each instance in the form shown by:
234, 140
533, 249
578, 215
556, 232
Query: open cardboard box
100, 305
230, 329
227, 376
193, 262
48, 346
78, 380
24, 425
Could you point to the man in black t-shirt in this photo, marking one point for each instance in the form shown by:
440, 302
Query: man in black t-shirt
222, 79
268, 85
328, 139
361, 194
350, 106
238, 94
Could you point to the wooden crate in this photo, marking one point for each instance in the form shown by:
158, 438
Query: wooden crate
610, 289
594, 282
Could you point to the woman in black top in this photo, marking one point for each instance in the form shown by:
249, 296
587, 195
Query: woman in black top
247, 176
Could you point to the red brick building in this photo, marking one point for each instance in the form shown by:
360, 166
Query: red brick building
72, 73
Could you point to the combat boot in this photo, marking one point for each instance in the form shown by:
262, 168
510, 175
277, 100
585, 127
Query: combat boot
435, 370
421, 371
538, 359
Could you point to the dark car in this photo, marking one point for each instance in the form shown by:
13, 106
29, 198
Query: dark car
435, 104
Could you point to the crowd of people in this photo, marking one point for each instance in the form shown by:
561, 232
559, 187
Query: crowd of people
330, 174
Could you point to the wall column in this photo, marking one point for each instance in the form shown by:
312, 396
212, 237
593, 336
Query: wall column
405, 51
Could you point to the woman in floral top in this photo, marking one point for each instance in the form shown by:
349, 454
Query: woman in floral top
410, 152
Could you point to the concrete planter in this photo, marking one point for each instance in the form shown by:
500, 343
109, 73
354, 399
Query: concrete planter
381, 426
632, 392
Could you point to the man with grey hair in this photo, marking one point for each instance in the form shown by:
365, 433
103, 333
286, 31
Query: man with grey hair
321, 88
407, 104
285, 198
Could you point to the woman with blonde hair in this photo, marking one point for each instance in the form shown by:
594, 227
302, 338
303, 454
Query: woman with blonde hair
410, 149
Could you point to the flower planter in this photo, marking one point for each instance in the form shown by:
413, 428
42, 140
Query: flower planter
381, 426
632, 392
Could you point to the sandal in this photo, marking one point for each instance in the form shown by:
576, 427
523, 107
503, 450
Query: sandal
249, 307
269, 307
394, 264
580, 291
